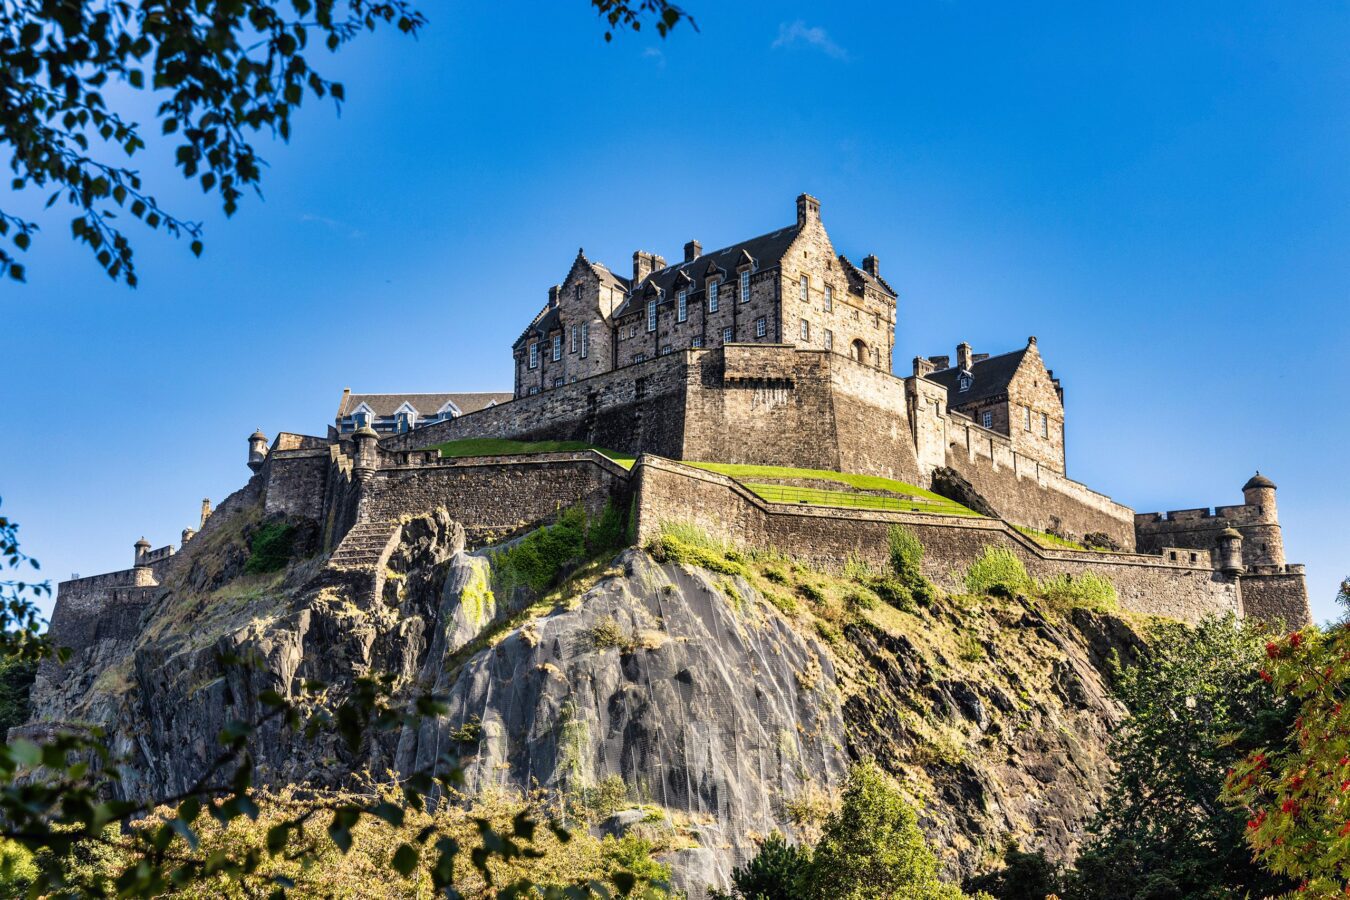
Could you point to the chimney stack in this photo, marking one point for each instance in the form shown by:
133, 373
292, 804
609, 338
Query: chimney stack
553, 293
940, 362
871, 265
963, 356
692, 251
808, 209
923, 366
645, 264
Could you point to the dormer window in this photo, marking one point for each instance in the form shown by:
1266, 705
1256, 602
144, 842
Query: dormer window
713, 287
963, 382
682, 306
651, 314
745, 286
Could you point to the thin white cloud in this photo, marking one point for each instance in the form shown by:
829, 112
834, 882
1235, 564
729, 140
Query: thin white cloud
790, 34
655, 54
332, 224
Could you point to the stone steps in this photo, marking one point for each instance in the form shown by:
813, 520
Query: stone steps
364, 545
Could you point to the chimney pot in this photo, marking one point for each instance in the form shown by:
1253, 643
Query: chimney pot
692, 251
963, 356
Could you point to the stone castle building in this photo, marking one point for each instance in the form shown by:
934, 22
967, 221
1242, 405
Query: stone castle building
774, 351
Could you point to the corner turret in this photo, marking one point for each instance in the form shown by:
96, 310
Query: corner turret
1230, 552
257, 450
142, 552
1264, 539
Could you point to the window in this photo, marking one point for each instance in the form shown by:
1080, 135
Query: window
1026, 415
745, 286
572, 380
1045, 425
557, 347
806, 331
575, 330
713, 287
632, 330
585, 339
558, 382
761, 327
698, 342
362, 419
665, 351
964, 382
682, 308
829, 339
876, 357
534, 354
987, 420
651, 315
534, 390
641, 357
806, 288
829, 298
727, 335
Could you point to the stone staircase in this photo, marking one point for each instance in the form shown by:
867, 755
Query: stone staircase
366, 546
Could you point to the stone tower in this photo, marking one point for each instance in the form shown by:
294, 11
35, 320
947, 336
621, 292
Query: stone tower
257, 449
1263, 542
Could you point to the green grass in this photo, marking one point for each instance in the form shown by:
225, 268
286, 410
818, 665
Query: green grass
916, 498
1050, 541
501, 447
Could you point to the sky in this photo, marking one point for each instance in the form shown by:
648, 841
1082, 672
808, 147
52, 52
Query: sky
1158, 191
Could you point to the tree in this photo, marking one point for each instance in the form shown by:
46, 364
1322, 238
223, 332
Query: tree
1197, 707
779, 871
224, 71
1292, 791
872, 848
1024, 876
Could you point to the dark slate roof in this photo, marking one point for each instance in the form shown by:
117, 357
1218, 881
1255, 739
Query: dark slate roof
766, 250
861, 275
989, 378
1258, 481
384, 405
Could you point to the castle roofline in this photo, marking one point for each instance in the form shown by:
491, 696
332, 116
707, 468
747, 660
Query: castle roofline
1258, 481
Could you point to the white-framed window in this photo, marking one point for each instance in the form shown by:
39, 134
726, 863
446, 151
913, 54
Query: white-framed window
761, 326
806, 331
557, 347
585, 339
651, 315
575, 331
665, 351
964, 382
829, 338
534, 389
829, 298
1045, 425
745, 286
682, 306
641, 357
713, 287
534, 354
698, 342
806, 288
572, 380
987, 420
1026, 411
727, 335
558, 382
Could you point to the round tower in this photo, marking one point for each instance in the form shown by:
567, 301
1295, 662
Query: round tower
142, 551
1263, 544
367, 453
1230, 552
257, 449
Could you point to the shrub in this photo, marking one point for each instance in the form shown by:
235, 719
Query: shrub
906, 553
469, 732
894, 591
776, 574
689, 545
811, 592
860, 598
608, 532
1088, 590
1100, 540
270, 548
1024, 876
998, 571
608, 634
777, 872
539, 558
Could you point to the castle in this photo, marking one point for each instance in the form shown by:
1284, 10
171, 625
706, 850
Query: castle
776, 352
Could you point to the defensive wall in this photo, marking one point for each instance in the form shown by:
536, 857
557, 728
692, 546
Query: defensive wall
1262, 542
1186, 588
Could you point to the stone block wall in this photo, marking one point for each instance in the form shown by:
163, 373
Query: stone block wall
1278, 597
669, 492
294, 478
1201, 527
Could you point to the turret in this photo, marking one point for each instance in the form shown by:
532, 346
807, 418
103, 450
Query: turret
1230, 552
1262, 540
206, 512
367, 453
142, 552
257, 449
1259, 491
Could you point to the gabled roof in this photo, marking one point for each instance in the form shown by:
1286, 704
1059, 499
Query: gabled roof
989, 378
384, 406
861, 276
765, 250
548, 317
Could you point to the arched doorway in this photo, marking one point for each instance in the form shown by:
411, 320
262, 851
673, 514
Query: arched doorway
858, 351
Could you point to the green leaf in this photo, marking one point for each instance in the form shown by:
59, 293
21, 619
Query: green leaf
389, 812
22, 240
405, 859
196, 248
26, 753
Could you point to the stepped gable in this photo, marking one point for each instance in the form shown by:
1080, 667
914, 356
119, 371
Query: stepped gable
989, 377
547, 318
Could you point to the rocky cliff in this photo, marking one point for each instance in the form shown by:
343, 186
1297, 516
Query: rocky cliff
715, 695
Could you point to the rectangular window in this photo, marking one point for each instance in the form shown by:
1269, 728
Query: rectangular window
641, 357
534, 390
1045, 425
712, 295
698, 342
829, 339
575, 330
557, 347
665, 351
806, 288
727, 335
585, 339
1026, 410
745, 286
761, 327
987, 420
558, 382
682, 308
651, 315
534, 354
806, 331
829, 298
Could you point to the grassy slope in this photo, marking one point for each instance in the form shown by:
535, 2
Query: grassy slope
924, 500
501, 447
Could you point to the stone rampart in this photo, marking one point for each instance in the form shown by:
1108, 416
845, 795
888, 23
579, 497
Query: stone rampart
294, 477
669, 492
1028, 493
1278, 596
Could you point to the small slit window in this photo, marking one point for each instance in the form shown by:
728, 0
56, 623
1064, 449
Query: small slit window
806, 331
829, 298
806, 288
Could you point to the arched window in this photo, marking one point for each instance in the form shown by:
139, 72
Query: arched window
858, 351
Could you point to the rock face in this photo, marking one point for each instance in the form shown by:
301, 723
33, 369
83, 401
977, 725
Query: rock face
670, 687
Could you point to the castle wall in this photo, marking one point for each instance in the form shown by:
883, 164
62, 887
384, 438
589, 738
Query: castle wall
872, 425
495, 496
1028, 493
294, 479
1281, 597
1200, 528
1152, 585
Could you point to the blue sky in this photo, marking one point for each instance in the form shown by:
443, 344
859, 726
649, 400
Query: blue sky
1159, 192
